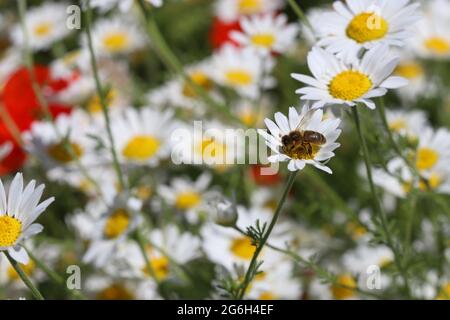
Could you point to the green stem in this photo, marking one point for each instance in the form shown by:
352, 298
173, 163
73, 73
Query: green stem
142, 246
171, 61
377, 203
301, 15
262, 243
102, 97
24, 277
55, 277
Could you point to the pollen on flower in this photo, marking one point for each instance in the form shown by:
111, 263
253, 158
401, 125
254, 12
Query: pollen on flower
65, 152
200, 79
344, 287
249, 6
187, 200
409, 70
426, 158
10, 229
116, 224
141, 148
116, 41
367, 27
264, 40
350, 85
243, 248
438, 45
238, 77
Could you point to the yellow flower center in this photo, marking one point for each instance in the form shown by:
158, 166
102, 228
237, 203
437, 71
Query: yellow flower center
188, 200
398, 125
264, 40
243, 248
249, 6
344, 287
10, 229
43, 29
212, 149
141, 148
200, 79
438, 45
349, 85
115, 292
65, 152
409, 70
238, 77
94, 104
367, 27
433, 182
356, 230
267, 296
116, 41
144, 192
160, 266
27, 268
116, 224
426, 158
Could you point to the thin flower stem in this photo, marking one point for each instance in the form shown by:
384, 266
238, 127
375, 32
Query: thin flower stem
377, 203
262, 243
101, 94
29, 63
301, 15
142, 246
24, 277
172, 62
55, 277
11, 125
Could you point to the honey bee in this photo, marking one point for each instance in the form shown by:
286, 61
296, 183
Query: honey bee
302, 143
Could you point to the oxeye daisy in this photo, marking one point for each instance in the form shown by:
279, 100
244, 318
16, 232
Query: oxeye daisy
18, 212
45, 25
142, 136
228, 247
242, 70
187, 196
433, 150
337, 82
111, 229
267, 33
231, 10
408, 124
361, 24
301, 139
414, 71
432, 39
117, 35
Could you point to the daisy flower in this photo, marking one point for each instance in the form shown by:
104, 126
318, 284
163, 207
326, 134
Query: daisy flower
112, 229
240, 69
362, 24
418, 85
141, 136
432, 40
336, 82
45, 25
228, 247
187, 196
166, 246
267, 33
231, 10
18, 212
433, 150
408, 124
117, 35
286, 144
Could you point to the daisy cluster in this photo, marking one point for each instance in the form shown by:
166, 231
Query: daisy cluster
146, 208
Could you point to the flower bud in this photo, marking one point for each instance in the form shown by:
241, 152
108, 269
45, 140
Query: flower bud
223, 212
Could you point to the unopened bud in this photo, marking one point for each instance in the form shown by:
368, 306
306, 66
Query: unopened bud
223, 212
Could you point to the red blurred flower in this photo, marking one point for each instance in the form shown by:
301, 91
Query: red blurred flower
221, 32
14, 161
260, 179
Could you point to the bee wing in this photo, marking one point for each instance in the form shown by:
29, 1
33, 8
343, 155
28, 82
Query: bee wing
306, 118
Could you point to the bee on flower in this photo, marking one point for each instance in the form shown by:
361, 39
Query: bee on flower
301, 139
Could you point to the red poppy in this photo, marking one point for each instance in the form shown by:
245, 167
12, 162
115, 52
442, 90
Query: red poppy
261, 179
14, 161
221, 33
